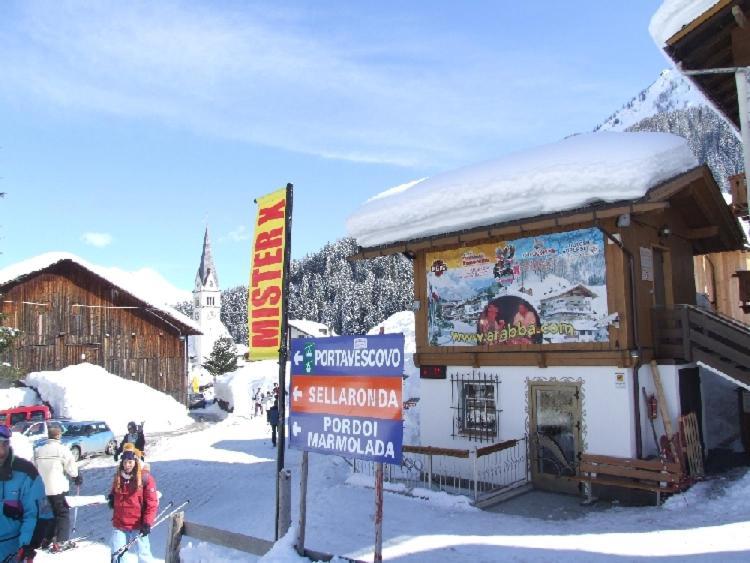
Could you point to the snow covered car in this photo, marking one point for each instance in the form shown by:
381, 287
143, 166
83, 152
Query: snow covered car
86, 438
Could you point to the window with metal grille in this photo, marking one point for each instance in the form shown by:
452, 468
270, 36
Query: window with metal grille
475, 398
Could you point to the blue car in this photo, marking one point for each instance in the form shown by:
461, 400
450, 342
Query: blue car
85, 438
89, 438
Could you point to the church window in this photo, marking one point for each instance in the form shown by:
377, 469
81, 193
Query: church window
209, 300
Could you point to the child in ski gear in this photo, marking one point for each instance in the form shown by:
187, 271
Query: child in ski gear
134, 501
134, 436
22, 495
55, 464
272, 416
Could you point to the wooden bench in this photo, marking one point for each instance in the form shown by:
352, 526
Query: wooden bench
653, 475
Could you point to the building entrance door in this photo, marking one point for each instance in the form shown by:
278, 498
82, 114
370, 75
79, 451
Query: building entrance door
555, 435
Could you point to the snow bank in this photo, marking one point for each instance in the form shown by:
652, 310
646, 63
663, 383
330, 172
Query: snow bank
18, 397
89, 392
718, 496
673, 15
577, 171
403, 322
238, 387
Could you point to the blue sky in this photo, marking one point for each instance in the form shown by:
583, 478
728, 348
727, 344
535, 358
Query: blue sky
127, 126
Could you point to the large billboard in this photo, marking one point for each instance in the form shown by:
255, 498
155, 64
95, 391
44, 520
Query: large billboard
536, 290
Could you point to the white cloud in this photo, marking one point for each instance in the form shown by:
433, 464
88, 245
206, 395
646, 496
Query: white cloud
402, 95
99, 240
237, 235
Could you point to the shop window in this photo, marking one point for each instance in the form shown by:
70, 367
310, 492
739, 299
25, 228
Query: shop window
475, 400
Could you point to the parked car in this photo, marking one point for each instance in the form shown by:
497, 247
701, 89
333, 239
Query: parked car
9, 417
85, 438
89, 438
36, 430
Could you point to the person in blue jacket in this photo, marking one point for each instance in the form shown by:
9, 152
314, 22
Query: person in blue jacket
23, 500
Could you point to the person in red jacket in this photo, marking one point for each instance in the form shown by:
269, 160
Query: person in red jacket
135, 503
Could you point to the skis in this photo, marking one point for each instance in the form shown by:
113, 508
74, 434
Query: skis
165, 514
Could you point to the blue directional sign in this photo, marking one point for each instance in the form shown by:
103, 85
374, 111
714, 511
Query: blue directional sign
345, 396
379, 354
362, 438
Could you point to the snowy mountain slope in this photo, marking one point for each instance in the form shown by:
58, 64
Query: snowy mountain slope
672, 104
670, 92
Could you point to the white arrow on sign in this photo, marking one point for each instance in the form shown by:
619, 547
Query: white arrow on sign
296, 428
297, 358
296, 394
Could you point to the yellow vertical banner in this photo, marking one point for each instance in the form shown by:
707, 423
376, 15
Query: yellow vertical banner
265, 290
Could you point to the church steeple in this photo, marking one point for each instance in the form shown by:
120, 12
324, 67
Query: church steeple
207, 268
207, 305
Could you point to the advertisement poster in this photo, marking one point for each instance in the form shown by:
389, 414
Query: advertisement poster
537, 290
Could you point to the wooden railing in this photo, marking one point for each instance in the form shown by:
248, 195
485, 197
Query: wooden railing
686, 332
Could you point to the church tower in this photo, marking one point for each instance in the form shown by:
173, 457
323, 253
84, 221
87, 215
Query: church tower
207, 306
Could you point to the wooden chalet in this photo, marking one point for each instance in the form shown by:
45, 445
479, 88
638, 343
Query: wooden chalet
69, 312
713, 44
507, 370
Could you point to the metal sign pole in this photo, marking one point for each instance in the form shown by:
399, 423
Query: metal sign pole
302, 505
283, 349
378, 556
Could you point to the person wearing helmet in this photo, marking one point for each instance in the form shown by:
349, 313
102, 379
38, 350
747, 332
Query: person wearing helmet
134, 436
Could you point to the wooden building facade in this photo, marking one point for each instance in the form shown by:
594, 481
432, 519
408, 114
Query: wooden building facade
582, 391
68, 314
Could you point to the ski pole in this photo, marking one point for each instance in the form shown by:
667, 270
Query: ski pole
75, 510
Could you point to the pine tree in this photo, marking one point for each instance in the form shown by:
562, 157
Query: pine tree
223, 358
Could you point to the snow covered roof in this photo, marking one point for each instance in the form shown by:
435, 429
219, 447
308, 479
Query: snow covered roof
697, 35
674, 15
575, 290
575, 172
25, 268
311, 328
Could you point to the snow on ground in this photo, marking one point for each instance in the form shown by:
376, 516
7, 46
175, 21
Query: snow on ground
18, 397
576, 171
89, 392
227, 471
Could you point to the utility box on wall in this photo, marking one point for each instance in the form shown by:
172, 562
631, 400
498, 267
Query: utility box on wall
743, 277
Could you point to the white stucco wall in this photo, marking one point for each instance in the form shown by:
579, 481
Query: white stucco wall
607, 409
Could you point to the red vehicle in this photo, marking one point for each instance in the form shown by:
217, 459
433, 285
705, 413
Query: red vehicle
10, 417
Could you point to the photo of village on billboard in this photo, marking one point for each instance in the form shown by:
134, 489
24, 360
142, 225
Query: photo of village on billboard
537, 290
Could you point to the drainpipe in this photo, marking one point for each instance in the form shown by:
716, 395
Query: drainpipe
638, 352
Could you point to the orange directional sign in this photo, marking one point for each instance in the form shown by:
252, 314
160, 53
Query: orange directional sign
347, 395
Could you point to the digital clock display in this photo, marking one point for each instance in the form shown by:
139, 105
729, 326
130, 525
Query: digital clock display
432, 372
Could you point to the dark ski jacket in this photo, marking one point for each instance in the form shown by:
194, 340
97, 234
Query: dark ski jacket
272, 415
139, 443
